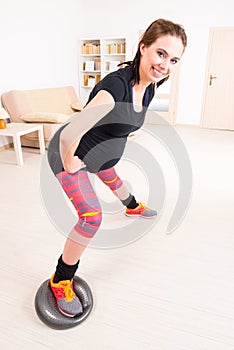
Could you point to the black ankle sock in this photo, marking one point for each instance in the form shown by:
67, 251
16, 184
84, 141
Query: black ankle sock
63, 271
130, 202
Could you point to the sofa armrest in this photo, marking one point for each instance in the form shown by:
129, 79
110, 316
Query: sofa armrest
16, 104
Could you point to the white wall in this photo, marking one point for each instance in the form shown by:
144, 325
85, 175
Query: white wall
39, 39
38, 43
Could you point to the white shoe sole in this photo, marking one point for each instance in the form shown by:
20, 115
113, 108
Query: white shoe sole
140, 216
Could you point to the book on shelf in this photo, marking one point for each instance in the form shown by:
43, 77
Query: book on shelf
89, 48
116, 48
93, 65
97, 63
89, 66
91, 80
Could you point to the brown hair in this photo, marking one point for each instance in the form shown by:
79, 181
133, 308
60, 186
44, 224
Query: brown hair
156, 29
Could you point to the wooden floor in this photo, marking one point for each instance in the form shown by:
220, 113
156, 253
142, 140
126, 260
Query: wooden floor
163, 292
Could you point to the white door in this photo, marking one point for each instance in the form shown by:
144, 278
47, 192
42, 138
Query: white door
218, 99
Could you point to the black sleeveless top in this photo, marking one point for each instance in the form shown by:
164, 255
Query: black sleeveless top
103, 145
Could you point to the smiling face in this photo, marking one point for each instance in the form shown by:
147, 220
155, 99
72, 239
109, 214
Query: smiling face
159, 59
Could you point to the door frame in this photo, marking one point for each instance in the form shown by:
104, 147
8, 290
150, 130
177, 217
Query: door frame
172, 97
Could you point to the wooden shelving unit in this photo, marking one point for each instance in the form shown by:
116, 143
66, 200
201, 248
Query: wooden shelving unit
97, 58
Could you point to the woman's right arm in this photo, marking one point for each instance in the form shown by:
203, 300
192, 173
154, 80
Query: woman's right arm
70, 137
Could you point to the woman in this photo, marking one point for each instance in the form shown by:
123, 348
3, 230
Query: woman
94, 142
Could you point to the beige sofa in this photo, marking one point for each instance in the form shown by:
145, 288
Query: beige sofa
50, 107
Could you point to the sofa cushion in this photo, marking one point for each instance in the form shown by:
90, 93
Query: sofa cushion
51, 99
45, 117
77, 106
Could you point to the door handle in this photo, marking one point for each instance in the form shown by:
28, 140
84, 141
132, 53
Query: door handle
211, 79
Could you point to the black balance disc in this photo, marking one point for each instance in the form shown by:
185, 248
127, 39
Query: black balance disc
48, 312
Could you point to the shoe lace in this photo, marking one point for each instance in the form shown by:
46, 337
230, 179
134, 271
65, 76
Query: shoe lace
66, 291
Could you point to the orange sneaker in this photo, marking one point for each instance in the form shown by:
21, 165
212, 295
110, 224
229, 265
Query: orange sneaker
141, 210
67, 301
